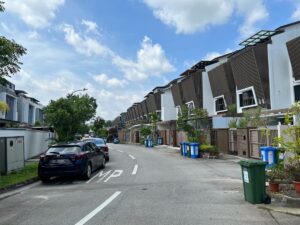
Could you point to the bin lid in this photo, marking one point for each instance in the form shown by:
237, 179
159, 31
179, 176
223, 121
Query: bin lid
269, 148
252, 162
194, 143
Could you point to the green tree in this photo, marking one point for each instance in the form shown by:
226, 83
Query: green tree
108, 123
99, 123
68, 115
10, 52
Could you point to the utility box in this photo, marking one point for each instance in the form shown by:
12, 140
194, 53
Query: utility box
11, 154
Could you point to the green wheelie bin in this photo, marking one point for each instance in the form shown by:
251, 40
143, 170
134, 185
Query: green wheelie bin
254, 181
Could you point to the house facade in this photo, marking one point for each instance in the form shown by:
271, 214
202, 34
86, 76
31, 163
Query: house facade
22, 109
265, 73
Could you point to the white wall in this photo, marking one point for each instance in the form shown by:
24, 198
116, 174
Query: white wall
168, 110
208, 100
220, 122
35, 141
280, 70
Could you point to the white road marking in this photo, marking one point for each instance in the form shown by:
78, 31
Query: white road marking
116, 173
120, 151
103, 176
94, 177
135, 169
98, 209
131, 156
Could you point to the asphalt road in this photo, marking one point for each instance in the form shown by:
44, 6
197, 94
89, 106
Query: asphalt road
142, 186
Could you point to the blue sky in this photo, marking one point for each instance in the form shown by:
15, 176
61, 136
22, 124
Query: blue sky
121, 49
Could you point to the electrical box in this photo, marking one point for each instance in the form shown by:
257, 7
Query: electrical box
11, 154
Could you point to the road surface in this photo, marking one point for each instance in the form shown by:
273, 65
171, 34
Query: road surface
142, 186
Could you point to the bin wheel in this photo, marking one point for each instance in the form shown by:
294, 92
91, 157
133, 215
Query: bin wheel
267, 199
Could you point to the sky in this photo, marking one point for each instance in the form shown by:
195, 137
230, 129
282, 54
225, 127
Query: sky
121, 49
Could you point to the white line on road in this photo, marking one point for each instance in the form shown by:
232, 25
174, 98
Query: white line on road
94, 177
135, 169
120, 151
131, 156
98, 209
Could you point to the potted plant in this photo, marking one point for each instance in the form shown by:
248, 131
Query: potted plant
293, 170
275, 176
209, 150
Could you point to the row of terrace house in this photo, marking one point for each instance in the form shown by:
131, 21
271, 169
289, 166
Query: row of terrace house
264, 73
23, 109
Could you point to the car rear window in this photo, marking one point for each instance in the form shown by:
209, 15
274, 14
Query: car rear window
64, 149
96, 141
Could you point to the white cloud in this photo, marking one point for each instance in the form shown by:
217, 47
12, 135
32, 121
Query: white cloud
103, 79
191, 16
33, 35
296, 13
35, 13
90, 26
253, 11
212, 55
83, 44
151, 61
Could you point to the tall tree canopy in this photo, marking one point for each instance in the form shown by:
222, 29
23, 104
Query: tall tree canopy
68, 115
10, 52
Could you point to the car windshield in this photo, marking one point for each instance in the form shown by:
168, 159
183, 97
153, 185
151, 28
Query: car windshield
64, 149
96, 141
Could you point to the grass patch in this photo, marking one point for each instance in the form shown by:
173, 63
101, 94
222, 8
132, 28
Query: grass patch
28, 172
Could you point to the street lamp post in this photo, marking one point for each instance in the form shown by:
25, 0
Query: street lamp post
84, 89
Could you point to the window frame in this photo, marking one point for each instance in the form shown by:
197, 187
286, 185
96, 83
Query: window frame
240, 92
215, 102
189, 103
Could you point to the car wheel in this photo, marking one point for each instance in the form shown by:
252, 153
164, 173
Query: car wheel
107, 158
103, 164
88, 172
45, 179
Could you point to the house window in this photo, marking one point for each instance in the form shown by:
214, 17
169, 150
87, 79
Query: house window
178, 111
191, 107
297, 93
220, 104
246, 98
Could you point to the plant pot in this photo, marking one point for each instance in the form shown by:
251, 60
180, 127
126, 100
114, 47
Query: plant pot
297, 187
273, 187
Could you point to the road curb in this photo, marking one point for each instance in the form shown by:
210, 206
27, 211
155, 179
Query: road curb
286, 210
17, 186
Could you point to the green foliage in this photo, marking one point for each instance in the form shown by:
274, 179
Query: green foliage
108, 123
2, 6
290, 141
209, 148
293, 170
3, 107
145, 131
17, 177
37, 124
183, 122
232, 110
103, 132
99, 123
10, 52
277, 173
243, 122
233, 123
68, 115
